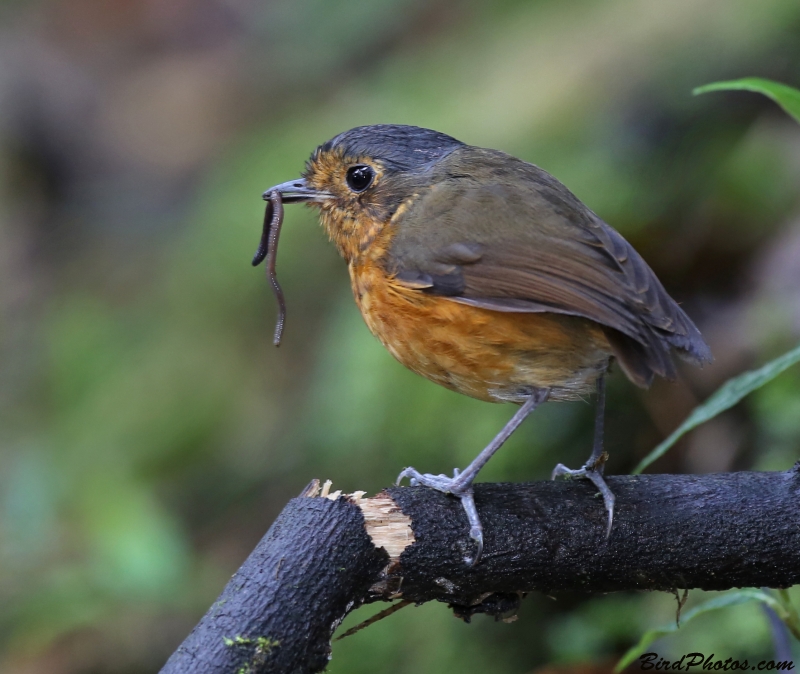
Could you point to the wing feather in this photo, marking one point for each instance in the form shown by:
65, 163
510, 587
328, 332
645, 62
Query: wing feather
518, 240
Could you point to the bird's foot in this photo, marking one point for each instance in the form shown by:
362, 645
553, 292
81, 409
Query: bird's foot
459, 488
593, 470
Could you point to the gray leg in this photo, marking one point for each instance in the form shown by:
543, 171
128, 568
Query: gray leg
460, 484
593, 468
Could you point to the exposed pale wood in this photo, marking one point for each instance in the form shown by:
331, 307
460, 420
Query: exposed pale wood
386, 524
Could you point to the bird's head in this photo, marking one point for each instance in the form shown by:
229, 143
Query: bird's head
361, 178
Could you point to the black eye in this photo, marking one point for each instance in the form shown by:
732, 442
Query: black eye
360, 177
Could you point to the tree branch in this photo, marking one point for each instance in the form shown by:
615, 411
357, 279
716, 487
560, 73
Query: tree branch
322, 558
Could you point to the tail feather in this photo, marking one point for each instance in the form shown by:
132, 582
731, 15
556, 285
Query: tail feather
642, 359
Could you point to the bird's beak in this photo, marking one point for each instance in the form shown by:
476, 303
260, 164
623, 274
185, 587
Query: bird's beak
297, 192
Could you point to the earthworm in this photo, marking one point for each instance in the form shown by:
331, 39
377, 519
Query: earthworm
268, 249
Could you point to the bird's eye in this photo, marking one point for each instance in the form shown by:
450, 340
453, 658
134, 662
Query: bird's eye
360, 177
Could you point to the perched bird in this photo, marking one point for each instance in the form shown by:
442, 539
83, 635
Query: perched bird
486, 275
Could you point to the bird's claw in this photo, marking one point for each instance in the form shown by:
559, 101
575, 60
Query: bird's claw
440, 482
475, 526
593, 471
451, 485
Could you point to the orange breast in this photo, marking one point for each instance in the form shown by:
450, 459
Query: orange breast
490, 355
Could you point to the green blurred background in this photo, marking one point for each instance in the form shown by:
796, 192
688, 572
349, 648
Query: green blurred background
149, 431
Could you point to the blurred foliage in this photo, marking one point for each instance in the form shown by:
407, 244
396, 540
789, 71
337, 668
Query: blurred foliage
149, 433
723, 601
728, 395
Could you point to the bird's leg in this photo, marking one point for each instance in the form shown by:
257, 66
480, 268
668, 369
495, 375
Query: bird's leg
598, 458
460, 484
593, 468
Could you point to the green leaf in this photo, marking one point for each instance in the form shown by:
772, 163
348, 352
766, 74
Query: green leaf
730, 393
785, 96
724, 601
790, 616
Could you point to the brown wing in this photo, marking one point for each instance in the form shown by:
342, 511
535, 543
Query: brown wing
520, 241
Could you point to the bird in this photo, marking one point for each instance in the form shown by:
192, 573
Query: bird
485, 274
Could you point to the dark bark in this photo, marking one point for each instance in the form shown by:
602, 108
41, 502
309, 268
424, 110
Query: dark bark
279, 610
712, 532
670, 531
